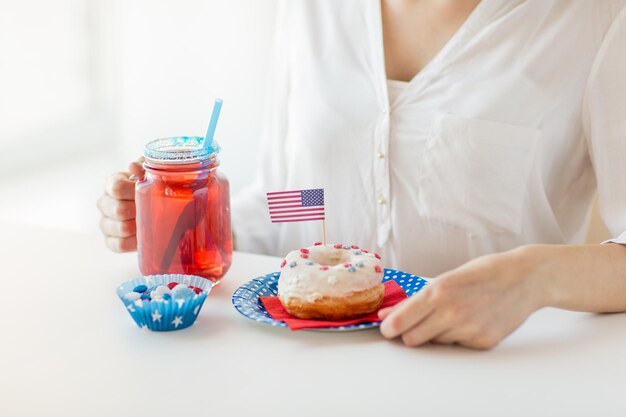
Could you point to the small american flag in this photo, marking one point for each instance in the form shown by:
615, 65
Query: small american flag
296, 205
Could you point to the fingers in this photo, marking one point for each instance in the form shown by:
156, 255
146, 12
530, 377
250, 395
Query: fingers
120, 210
483, 342
136, 168
459, 333
117, 244
117, 228
407, 314
427, 330
384, 312
119, 187
468, 336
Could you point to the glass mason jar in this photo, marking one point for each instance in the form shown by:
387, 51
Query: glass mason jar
183, 210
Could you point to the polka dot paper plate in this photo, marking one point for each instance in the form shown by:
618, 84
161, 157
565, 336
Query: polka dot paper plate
247, 302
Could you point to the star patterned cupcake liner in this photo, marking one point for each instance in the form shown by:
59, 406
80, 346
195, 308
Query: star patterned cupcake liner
167, 313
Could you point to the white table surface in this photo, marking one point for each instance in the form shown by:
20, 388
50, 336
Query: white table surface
69, 348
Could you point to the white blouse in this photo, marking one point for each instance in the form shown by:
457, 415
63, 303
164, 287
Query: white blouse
501, 140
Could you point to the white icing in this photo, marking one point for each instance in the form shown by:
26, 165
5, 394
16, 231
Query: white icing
309, 282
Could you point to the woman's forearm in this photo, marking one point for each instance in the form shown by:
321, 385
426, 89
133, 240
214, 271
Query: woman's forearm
583, 278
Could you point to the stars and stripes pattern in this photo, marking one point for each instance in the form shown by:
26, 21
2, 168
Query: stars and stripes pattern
296, 205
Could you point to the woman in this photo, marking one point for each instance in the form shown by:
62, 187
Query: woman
462, 139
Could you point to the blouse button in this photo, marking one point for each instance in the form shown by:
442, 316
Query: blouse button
382, 200
380, 155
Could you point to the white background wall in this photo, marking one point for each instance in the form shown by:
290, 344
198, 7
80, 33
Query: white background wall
85, 83
176, 57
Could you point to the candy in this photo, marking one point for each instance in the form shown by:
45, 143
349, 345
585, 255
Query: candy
132, 296
293, 264
304, 250
195, 289
140, 288
351, 269
323, 268
182, 293
162, 289
365, 250
145, 297
346, 246
317, 243
359, 264
377, 268
358, 252
304, 255
283, 263
179, 286
309, 263
347, 265
172, 284
166, 296
377, 256
338, 245
155, 296
354, 246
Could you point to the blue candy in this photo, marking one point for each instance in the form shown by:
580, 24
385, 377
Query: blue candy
182, 293
145, 297
359, 264
351, 269
140, 288
346, 246
358, 252
166, 296
292, 264
309, 262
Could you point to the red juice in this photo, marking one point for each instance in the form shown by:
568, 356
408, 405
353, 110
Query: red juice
183, 211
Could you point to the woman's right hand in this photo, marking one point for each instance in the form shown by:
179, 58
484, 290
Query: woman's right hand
117, 206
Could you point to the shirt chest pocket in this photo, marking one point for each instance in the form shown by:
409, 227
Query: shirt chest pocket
474, 173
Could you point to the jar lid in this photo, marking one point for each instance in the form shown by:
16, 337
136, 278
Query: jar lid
179, 150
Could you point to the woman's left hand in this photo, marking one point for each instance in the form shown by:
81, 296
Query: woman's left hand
476, 305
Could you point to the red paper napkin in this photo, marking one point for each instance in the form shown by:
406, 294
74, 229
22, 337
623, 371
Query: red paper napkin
393, 295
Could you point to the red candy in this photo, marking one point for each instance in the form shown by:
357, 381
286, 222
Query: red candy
304, 255
195, 289
377, 256
347, 265
304, 250
323, 268
377, 268
364, 251
338, 246
172, 284
354, 247
317, 243
283, 263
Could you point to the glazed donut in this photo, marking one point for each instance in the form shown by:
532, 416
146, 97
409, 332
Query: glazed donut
331, 282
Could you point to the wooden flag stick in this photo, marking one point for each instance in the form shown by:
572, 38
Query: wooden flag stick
324, 231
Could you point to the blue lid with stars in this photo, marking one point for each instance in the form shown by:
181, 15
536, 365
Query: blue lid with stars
168, 313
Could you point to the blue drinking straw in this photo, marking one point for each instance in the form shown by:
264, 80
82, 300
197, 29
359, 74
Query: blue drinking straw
208, 139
